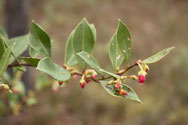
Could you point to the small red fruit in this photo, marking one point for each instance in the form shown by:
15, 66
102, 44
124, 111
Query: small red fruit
60, 83
82, 85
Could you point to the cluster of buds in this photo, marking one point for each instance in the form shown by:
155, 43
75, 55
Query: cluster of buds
118, 87
144, 68
87, 76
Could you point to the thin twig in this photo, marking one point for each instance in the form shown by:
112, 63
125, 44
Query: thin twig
80, 74
104, 78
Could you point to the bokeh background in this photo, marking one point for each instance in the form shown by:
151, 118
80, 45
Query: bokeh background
154, 25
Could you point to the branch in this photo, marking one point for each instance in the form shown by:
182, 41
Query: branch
104, 78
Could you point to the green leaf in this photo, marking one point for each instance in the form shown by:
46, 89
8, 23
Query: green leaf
131, 93
5, 59
57, 72
39, 40
70, 58
83, 39
124, 40
33, 52
31, 61
2, 47
116, 56
91, 61
109, 73
21, 44
92, 26
158, 56
3, 33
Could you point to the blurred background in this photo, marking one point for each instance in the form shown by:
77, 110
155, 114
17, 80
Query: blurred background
154, 25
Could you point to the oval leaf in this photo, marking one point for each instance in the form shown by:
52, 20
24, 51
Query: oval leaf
70, 58
31, 61
116, 56
83, 39
91, 61
124, 40
158, 56
94, 31
57, 72
39, 40
5, 59
21, 44
131, 93
33, 52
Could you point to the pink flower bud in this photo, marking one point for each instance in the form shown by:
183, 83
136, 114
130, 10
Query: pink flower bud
118, 85
60, 83
145, 67
86, 79
141, 77
147, 70
94, 77
82, 85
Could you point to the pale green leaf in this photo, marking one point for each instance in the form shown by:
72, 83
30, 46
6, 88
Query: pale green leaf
21, 44
158, 56
70, 57
90, 60
39, 40
94, 31
5, 59
83, 39
57, 72
124, 40
33, 52
131, 93
116, 56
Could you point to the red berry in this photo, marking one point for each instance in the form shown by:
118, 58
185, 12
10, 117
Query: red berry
82, 85
60, 82
141, 78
